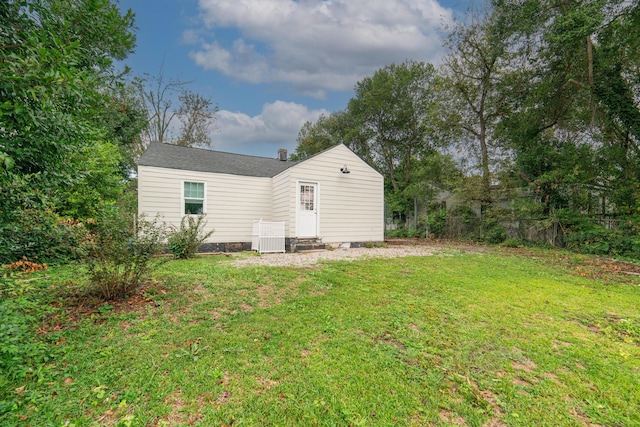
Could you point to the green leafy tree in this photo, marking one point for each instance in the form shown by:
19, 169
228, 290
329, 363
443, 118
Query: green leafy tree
392, 114
326, 132
124, 118
98, 184
391, 111
56, 70
474, 69
55, 57
394, 123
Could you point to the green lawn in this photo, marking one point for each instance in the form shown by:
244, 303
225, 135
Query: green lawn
491, 338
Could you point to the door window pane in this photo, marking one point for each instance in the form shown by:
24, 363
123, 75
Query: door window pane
307, 197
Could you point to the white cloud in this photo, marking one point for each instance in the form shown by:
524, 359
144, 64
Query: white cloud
316, 45
276, 126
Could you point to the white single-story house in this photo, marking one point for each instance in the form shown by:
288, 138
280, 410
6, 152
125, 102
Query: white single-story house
331, 198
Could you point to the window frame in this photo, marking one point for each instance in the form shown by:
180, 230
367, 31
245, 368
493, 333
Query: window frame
183, 198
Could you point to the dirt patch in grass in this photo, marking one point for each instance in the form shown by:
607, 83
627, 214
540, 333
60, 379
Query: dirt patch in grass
179, 413
389, 340
269, 295
612, 326
223, 398
451, 418
521, 382
265, 384
524, 365
490, 397
579, 416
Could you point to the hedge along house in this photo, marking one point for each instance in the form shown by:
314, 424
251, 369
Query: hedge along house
331, 198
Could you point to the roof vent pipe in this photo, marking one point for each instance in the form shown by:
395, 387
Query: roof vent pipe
282, 155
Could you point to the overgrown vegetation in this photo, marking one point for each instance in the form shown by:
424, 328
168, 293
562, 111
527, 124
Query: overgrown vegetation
621, 238
183, 241
30, 227
494, 337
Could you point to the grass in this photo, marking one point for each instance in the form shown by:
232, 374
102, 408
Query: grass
492, 338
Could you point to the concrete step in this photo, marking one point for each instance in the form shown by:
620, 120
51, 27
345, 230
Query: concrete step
299, 245
304, 247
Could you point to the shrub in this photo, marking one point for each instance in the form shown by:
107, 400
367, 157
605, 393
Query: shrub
122, 252
492, 230
184, 241
40, 234
437, 223
495, 234
30, 226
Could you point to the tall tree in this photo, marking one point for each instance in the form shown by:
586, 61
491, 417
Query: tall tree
392, 123
194, 112
391, 112
474, 68
392, 126
197, 120
158, 96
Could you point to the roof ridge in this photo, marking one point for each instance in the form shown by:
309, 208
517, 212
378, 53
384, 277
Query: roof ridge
218, 151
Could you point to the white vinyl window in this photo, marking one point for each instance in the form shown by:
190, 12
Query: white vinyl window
193, 198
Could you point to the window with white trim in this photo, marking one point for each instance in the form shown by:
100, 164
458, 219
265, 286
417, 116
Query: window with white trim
193, 200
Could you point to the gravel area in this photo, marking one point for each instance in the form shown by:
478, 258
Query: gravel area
306, 259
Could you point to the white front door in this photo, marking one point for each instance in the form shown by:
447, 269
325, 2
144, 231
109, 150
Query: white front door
307, 224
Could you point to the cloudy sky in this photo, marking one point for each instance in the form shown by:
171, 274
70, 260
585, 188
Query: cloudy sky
271, 65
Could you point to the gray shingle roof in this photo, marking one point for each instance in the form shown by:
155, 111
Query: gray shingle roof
201, 160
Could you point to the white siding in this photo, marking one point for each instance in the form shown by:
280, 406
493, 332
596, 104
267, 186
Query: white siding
350, 206
282, 201
233, 202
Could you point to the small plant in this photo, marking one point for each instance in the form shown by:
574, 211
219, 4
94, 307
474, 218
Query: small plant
121, 253
185, 240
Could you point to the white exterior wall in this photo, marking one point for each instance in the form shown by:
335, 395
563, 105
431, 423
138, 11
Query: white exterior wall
282, 201
350, 206
232, 202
